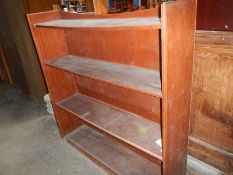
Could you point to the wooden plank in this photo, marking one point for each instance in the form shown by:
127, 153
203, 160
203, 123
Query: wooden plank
6, 71
139, 48
215, 15
178, 27
212, 98
130, 128
120, 97
60, 83
100, 7
33, 6
210, 154
111, 155
136, 47
25, 48
141, 80
8, 43
115, 23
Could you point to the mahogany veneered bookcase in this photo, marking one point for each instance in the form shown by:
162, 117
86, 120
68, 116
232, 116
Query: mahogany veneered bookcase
120, 84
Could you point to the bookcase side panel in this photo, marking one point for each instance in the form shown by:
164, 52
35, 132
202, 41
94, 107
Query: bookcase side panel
51, 44
178, 27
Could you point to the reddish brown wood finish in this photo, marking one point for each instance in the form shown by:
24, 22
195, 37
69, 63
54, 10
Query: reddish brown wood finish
212, 95
85, 139
109, 45
51, 44
215, 15
137, 46
121, 97
134, 149
178, 25
212, 99
134, 47
67, 122
33, 6
212, 155
130, 128
129, 77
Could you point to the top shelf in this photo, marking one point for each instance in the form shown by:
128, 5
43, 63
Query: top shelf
101, 23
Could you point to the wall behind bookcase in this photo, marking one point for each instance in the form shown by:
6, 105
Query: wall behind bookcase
18, 46
211, 125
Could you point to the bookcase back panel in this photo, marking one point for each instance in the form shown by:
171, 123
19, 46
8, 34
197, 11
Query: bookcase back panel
132, 47
121, 97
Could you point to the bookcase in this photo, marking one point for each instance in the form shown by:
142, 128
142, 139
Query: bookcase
120, 84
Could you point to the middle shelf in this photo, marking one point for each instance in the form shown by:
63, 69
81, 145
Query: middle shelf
134, 78
127, 127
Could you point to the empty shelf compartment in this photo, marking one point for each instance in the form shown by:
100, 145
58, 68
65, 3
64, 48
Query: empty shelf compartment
114, 23
134, 78
109, 154
130, 128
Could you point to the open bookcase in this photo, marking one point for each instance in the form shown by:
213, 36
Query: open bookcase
120, 84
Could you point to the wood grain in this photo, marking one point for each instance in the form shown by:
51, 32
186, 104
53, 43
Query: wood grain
85, 139
177, 58
20, 51
33, 6
212, 91
129, 100
138, 48
100, 7
130, 128
9, 47
51, 44
212, 155
137, 79
212, 97
66, 121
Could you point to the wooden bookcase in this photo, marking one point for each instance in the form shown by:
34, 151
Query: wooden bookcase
120, 84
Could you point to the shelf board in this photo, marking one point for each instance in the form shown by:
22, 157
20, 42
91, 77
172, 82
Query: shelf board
127, 127
109, 154
138, 79
101, 23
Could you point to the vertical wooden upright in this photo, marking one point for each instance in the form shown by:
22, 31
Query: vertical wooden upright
60, 84
178, 27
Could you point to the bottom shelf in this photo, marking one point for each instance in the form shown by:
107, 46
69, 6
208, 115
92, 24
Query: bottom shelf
109, 154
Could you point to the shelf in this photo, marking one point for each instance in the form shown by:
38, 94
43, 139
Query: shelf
146, 22
127, 127
138, 79
109, 154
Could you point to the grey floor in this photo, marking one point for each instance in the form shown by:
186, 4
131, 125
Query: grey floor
30, 143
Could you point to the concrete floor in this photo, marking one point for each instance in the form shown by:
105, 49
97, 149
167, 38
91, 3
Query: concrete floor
30, 143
